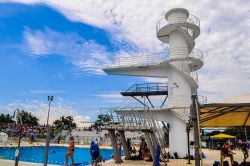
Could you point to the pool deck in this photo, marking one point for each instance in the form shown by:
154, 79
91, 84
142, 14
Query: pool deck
211, 156
12, 162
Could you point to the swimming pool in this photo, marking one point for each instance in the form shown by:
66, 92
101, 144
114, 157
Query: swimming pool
56, 154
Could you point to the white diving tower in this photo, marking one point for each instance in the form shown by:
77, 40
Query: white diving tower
179, 29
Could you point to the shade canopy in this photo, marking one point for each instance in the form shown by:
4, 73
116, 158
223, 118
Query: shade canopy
225, 115
222, 136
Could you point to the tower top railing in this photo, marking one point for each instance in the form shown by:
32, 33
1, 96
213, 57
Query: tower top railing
191, 19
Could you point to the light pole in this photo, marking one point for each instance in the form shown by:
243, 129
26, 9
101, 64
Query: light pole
20, 137
50, 98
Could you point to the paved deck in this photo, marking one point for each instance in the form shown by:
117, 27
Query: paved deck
180, 162
12, 163
211, 156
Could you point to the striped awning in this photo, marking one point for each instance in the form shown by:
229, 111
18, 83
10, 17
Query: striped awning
225, 115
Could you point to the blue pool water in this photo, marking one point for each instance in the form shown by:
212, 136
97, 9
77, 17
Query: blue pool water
56, 154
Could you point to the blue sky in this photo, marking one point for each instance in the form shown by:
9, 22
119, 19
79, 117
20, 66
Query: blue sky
58, 47
33, 73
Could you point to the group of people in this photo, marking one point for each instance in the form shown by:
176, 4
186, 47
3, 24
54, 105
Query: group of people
94, 151
227, 151
144, 152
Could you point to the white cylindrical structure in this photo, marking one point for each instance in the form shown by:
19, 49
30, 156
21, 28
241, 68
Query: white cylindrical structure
179, 31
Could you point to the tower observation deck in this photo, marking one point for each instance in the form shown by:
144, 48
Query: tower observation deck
179, 64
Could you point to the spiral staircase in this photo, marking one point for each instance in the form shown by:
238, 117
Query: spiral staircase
189, 26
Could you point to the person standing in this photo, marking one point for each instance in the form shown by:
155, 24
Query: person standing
129, 144
70, 150
94, 151
244, 147
226, 151
143, 146
119, 144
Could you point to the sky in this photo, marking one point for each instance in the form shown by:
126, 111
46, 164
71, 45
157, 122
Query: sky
59, 47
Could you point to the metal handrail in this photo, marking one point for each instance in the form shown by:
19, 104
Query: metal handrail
194, 75
151, 59
177, 52
130, 117
148, 87
134, 60
195, 19
191, 19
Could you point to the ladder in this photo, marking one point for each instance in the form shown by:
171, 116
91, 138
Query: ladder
160, 137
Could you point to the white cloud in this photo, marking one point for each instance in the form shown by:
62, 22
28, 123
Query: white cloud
37, 43
224, 39
84, 55
47, 91
40, 110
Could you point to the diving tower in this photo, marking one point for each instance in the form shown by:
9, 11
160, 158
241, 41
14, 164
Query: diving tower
178, 64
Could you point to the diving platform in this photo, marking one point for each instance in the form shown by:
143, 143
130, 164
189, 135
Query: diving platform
129, 128
147, 89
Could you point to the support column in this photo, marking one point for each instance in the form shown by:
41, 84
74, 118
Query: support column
117, 154
124, 145
151, 147
154, 141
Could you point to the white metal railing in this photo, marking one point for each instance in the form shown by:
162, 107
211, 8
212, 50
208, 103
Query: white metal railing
152, 59
195, 20
135, 60
191, 19
197, 54
130, 117
178, 52
194, 75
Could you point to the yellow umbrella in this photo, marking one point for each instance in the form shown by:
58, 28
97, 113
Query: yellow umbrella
222, 136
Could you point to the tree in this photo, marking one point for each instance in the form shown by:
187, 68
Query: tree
6, 118
239, 132
102, 119
27, 118
213, 133
65, 122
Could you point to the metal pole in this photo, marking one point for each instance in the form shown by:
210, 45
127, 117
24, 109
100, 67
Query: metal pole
19, 140
50, 98
188, 139
246, 132
196, 131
